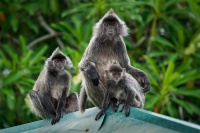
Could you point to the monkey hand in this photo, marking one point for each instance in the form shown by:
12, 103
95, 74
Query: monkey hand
145, 84
127, 110
143, 81
56, 118
93, 74
95, 81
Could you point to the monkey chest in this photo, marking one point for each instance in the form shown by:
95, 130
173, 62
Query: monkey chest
104, 61
57, 91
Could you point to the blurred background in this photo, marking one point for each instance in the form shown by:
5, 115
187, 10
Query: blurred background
164, 41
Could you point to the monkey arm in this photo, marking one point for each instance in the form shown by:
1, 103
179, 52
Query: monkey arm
89, 68
61, 103
47, 104
140, 76
124, 61
129, 101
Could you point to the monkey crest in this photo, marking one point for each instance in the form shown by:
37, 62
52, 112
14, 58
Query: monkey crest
110, 16
58, 56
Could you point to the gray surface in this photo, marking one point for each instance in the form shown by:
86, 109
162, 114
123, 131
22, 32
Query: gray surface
139, 121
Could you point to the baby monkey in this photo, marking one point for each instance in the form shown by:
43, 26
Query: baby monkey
122, 89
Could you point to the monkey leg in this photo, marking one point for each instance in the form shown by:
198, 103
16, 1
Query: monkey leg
46, 104
36, 105
113, 104
106, 102
72, 103
129, 102
140, 76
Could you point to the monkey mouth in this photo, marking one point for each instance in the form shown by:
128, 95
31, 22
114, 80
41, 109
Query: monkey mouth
110, 33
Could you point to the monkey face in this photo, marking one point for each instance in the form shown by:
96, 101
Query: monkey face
60, 64
116, 75
110, 28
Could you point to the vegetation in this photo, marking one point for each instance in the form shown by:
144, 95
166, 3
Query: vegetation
164, 41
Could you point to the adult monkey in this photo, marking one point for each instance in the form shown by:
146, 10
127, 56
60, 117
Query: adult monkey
105, 46
49, 99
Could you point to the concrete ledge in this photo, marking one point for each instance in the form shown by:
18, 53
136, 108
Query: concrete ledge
139, 121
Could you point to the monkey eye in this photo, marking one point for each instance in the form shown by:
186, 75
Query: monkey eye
63, 61
114, 74
114, 24
56, 61
105, 24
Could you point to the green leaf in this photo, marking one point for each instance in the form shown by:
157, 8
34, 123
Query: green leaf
23, 44
54, 5
37, 55
13, 77
186, 63
151, 102
171, 109
168, 73
186, 77
10, 103
14, 23
189, 107
192, 92
9, 92
162, 41
153, 65
78, 8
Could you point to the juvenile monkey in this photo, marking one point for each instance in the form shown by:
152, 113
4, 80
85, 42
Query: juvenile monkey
123, 87
105, 46
49, 95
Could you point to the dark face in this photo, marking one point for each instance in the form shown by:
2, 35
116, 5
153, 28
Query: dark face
110, 28
59, 64
116, 75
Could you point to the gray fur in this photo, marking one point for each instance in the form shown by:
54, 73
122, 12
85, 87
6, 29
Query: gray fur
100, 53
125, 89
49, 94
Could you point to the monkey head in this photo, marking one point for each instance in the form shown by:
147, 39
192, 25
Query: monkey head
110, 26
58, 61
115, 72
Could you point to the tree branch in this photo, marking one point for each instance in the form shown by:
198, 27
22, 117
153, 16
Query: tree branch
52, 33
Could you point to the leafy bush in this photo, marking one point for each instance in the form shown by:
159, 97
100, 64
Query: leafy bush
164, 42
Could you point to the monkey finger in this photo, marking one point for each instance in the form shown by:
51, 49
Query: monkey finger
146, 87
99, 114
127, 111
62, 113
53, 121
58, 116
121, 107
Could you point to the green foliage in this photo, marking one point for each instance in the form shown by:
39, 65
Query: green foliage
18, 68
164, 42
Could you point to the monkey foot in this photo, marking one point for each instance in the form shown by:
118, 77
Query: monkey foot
99, 114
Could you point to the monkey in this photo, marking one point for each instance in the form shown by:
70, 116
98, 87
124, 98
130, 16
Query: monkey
123, 87
49, 95
105, 45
